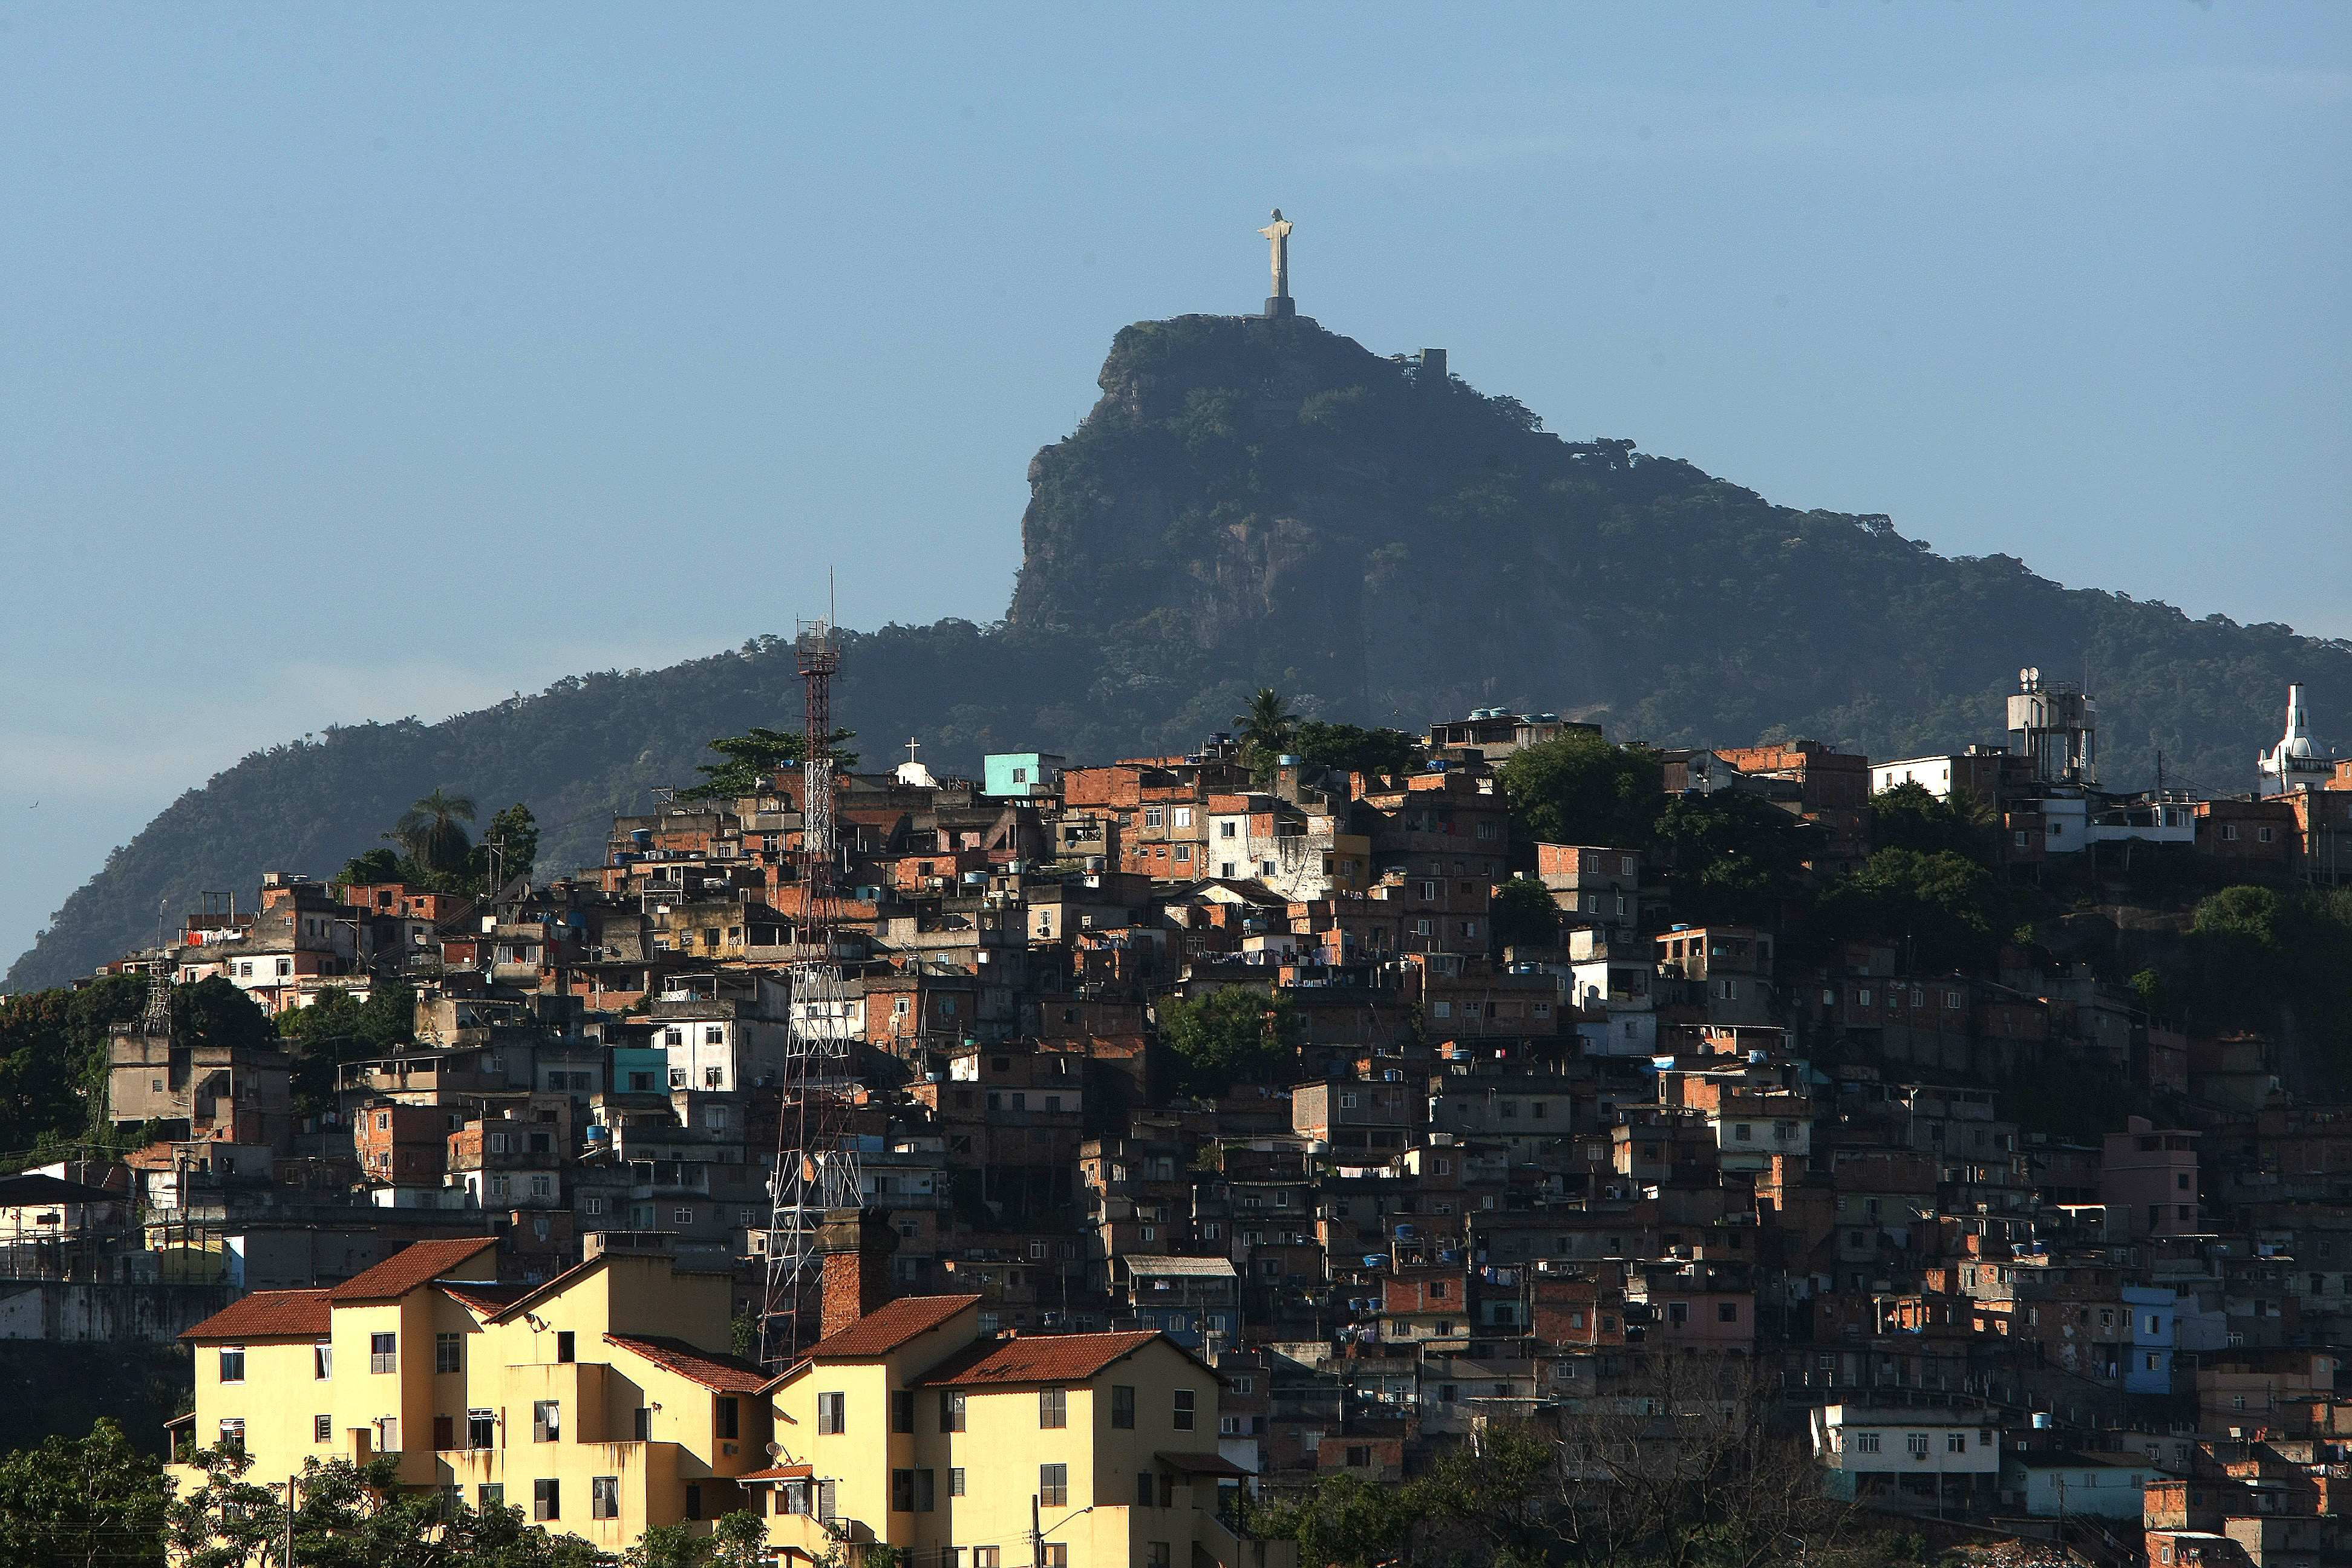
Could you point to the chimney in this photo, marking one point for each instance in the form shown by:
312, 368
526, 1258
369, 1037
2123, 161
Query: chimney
856, 1245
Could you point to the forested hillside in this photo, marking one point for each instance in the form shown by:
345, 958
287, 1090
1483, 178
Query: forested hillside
1259, 502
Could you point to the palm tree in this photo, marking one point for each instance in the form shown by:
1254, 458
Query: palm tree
1266, 730
429, 831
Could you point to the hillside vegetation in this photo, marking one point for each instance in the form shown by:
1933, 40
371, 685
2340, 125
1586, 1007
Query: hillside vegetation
1257, 503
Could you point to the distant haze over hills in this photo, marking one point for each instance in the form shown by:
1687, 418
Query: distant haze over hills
1256, 502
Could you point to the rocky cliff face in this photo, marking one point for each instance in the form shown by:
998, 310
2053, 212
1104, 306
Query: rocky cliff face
1256, 502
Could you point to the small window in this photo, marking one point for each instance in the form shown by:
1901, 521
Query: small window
831, 1415
951, 1410
383, 1352
955, 1481
546, 1421
1053, 1408
232, 1364
1122, 1406
731, 1418
323, 1428
232, 1437
1183, 1411
449, 1348
481, 1429
902, 1410
1053, 1484
1144, 1490
605, 1498
546, 1500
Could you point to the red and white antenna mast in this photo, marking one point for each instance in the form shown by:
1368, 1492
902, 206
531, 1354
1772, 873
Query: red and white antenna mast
817, 1157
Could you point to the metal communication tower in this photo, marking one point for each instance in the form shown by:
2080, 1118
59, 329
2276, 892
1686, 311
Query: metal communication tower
816, 1161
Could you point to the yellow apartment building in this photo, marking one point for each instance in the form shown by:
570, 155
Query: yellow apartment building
597, 1402
907, 1426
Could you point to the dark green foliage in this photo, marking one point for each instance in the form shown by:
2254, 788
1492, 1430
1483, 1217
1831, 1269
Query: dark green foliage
1578, 789
94, 1501
1732, 857
1266, 729
1377, 754
335, 1029
430, 827
1379, 548
374, 866
1345, 1521
431, 835
213, 1011
2267, 961
1524, 914
752, 757
1941, 911
514, 835
53, 1061
1229, 1037
355, 1516
1909, 817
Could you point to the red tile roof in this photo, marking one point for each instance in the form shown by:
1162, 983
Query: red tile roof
482, 1297
886, 1328
1036, 1358
419, 1263
266, 1315
723, 1373
560, 1280
778, 1473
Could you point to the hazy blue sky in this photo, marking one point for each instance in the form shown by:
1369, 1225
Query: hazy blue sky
365, 361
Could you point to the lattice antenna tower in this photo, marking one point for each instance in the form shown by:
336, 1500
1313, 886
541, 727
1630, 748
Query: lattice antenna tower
816, 1160
157, 1022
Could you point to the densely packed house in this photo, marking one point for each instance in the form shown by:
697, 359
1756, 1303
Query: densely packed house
1486, 1182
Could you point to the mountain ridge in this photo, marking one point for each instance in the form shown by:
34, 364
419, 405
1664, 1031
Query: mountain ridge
1256, 501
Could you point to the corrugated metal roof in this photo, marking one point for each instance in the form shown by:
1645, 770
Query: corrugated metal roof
1204, 1267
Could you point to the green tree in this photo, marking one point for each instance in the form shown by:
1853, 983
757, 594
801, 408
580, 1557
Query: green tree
336, 1030
1377, 754
1265, 731
1909, 817
52, 1060
1944, 910
514, 835
1345, 1521
1237, 1035
373, 865
432, 831
223, 1521
748, 760
94, 1501
215, 1013
1579, 789
1729, 857
1523, 914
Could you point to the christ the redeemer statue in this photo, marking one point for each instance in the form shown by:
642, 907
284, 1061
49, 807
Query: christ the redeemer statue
1278, 239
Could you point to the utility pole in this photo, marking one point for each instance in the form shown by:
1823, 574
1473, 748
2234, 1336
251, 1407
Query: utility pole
1036, 1534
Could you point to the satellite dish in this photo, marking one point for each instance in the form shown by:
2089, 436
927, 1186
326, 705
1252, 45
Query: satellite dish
775, 1450
2034, 675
